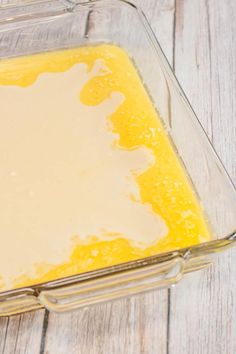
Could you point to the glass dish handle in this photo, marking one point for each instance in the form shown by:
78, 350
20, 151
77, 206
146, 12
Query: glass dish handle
110, 287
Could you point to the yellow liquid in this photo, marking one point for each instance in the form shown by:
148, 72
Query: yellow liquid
163, 186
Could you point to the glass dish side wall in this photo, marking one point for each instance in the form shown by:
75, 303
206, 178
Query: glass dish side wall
52, 25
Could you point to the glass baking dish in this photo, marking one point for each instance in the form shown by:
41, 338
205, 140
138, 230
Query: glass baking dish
40, 26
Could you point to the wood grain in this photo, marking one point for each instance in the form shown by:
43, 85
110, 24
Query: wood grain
203, 307
21, 334
198, 316
134, 325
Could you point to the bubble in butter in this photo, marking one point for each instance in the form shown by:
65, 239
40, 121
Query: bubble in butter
88, 177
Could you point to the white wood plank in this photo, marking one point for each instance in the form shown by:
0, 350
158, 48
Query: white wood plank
21, 334
160, 15
3, 333
203, 306
135, 325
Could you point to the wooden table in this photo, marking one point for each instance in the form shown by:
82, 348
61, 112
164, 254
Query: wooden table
199, 314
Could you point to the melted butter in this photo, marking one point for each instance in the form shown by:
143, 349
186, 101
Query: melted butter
88, 177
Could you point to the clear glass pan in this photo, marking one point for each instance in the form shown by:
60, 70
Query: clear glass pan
31, 27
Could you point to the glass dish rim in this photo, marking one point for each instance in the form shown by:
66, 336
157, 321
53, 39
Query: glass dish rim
195, 251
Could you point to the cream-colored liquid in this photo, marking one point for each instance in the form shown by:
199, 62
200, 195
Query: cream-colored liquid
63, 175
